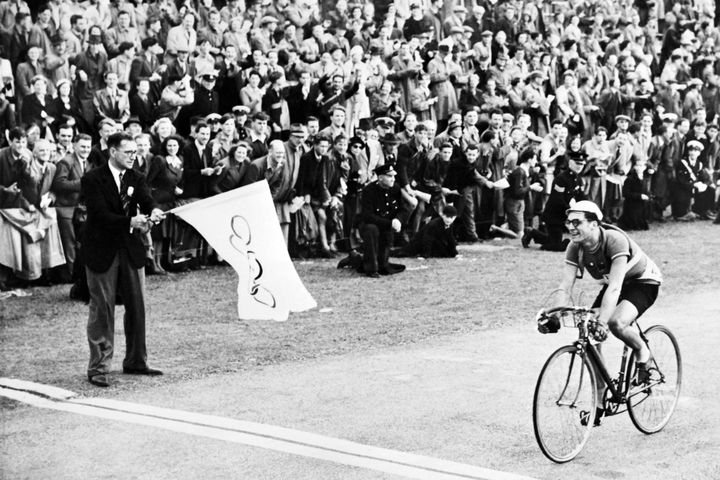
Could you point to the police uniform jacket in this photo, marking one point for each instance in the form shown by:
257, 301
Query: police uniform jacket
567, 186
379, 206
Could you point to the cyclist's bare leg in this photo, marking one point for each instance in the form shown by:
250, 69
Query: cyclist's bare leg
620, 325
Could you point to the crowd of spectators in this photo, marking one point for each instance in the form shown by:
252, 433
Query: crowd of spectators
506, 109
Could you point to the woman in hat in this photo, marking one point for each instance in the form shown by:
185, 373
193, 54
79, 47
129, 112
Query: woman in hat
66, 106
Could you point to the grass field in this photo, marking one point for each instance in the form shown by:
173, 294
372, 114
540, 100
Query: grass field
193, 330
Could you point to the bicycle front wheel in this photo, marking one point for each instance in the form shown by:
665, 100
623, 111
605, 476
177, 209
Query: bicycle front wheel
650, 408
564, 405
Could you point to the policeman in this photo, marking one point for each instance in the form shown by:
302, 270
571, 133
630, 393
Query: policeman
566, 187
382, 213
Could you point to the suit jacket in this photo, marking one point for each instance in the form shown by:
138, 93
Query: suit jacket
66, 184
194, 184
108, 228
107, 108
32, 110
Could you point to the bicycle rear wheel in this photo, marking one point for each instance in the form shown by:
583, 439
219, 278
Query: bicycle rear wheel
650, 409
564, 405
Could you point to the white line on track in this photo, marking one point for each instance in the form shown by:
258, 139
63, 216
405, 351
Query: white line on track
249, 433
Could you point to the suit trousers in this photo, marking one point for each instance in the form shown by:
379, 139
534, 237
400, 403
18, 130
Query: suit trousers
130, 282
67, 234
376, 247
467, 211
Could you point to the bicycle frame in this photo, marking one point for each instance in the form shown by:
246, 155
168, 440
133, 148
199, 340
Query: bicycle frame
618, 387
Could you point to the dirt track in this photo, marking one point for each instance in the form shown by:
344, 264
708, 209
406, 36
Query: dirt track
462, 398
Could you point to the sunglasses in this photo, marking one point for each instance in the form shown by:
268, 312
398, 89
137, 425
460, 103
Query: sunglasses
575, 223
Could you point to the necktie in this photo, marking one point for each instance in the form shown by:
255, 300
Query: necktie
124, 198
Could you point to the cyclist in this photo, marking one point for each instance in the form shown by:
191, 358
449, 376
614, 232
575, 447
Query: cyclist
630, 280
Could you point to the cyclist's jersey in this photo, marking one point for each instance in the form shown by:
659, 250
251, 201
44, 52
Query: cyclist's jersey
614, 243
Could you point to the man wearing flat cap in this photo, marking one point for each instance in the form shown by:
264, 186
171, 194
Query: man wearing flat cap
89, 68
456, 19
382, 214
441, 85
264, 38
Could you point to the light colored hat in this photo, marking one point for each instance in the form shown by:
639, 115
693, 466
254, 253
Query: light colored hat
695, 145
585, 206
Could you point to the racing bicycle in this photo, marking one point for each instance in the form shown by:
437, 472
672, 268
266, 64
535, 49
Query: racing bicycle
565, 403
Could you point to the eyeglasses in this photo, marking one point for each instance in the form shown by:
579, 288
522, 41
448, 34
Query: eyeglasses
575, 223
355, 146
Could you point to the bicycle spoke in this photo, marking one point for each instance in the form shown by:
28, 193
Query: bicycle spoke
564, 390
652, 406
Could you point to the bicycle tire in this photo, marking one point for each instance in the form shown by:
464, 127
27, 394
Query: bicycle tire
651, 409
568, 378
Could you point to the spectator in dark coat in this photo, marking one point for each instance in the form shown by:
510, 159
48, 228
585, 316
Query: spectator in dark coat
636, 195
435, 238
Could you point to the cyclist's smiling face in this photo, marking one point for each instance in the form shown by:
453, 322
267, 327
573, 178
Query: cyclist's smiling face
579, 227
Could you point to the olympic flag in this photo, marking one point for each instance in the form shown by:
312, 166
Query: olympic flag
242, 226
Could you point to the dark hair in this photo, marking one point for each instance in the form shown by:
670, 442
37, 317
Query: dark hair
74, 19
472, 146
163, 145
495, 111
487, 136
321, 138
17, 133
449, 211
201, 124
262, 116
446, 145
114, 140
526, 155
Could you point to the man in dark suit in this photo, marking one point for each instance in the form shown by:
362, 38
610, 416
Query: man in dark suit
111, 102
120, 210
198, 176
66, 187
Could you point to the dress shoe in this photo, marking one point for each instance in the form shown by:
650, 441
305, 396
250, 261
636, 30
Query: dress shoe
372, 274
99, 380
525, 240
326, 253
142, 371
79, 294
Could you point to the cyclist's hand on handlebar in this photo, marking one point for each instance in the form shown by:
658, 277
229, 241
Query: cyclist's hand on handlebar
599, 331
547, 323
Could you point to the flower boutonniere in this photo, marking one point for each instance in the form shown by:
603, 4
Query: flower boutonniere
130, 191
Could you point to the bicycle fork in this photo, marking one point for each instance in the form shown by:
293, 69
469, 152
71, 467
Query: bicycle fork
581, 356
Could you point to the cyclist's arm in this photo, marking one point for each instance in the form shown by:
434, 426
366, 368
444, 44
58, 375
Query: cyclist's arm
569, 275
612, 294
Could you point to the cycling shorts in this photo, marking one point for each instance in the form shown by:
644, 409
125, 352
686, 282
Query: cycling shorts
641, 295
